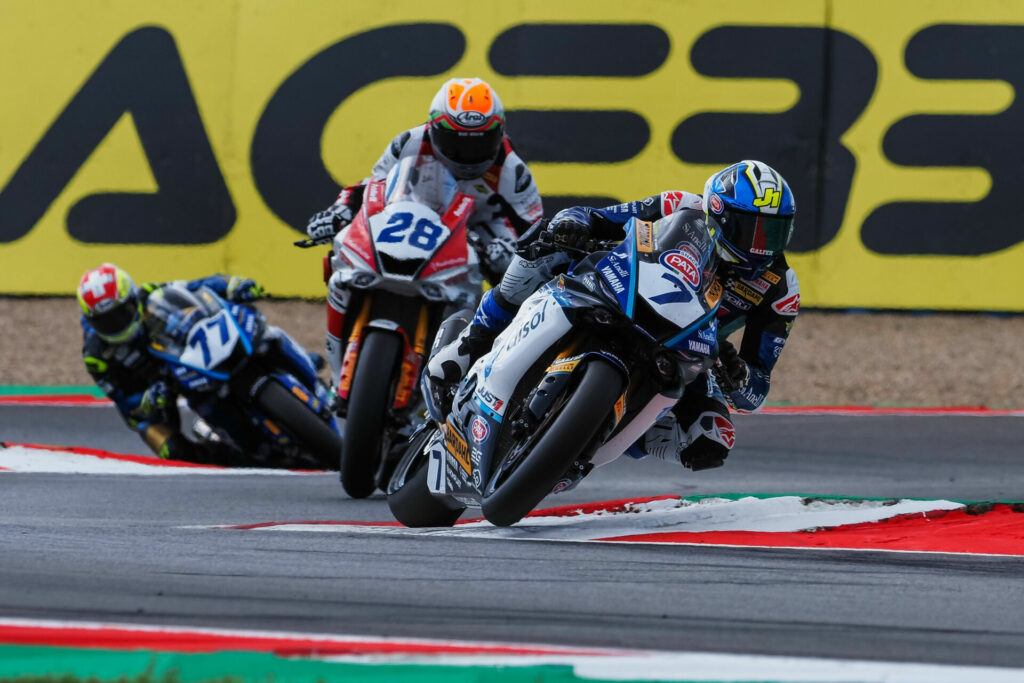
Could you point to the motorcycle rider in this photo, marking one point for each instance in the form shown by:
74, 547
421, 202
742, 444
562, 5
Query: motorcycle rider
752, 208
115, 353
466, 132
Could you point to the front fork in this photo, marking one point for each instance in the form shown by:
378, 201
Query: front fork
413, 352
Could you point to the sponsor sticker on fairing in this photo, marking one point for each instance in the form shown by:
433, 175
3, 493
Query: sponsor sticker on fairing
480, 430
457, 447
644, 237
677, 261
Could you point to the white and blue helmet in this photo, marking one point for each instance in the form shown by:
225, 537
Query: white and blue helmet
753, 207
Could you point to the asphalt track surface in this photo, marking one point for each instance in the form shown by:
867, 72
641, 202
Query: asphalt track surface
118, 548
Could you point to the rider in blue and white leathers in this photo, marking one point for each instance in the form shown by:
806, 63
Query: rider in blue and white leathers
752, 207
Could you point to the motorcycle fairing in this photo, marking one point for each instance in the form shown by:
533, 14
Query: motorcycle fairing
538, 325
209, 341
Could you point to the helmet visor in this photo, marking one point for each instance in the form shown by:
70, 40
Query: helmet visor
467, 147
756, 233
116, 321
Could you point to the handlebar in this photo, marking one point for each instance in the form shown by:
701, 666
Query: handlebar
308, 242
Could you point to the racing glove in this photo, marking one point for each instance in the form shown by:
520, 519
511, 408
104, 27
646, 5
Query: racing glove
731, 372
154, 400
243, 290
570, 227
497, 256
328, 222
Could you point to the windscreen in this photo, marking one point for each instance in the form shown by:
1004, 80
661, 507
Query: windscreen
423, 180
171, 312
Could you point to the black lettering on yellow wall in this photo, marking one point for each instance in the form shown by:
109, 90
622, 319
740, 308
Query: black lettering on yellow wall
578, 137
144, 76
286, 158
958, 228
609, 50
836, 75
575, 136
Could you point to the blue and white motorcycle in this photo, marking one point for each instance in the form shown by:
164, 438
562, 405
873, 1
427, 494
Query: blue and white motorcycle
588, 365
251, 384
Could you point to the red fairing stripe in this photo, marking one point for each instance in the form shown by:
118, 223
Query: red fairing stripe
357, 238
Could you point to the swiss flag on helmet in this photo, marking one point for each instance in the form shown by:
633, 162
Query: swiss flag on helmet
99, 285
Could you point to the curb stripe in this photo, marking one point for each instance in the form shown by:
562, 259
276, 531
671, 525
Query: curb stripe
107, 455
56, 400
999, 531
922, 411
183, 640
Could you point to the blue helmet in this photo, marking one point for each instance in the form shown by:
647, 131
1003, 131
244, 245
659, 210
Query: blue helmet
752, 206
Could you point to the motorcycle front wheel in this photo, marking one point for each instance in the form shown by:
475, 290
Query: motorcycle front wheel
543, 457
368, 401
409, 497
305, 426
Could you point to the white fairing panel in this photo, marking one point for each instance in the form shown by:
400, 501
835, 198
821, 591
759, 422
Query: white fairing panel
669, 294
407, 231
539, 324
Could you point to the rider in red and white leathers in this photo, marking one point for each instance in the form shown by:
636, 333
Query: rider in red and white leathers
466, 132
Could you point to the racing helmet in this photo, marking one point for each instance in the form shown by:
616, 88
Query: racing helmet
466, 127
110, 303
753, 207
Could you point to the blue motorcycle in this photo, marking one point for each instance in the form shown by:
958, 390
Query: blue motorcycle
588, 365
253, 386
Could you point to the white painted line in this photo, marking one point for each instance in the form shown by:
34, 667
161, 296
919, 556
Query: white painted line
36, 460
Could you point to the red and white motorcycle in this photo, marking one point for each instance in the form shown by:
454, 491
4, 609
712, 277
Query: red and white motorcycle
406, 263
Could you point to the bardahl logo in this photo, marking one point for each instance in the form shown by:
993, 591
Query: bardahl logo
747, 292
674, 259
457, 447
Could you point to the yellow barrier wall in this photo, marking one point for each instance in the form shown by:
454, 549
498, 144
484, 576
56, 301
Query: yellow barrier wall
182, 138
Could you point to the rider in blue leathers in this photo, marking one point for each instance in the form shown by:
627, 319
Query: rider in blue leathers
115, 353
752, 207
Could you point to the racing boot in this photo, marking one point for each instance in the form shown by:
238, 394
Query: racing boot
450, 364
703, 446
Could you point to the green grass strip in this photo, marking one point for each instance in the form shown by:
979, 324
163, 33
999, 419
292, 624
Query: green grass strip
62, 390
60, 665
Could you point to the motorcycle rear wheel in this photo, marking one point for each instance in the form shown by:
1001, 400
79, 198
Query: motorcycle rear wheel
557, 442
368, 401
409, 497
305, 426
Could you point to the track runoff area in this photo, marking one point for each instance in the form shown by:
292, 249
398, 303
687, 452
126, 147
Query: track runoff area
108, 650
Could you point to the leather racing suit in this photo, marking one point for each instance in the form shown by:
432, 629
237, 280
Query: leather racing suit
507, 203
764, 308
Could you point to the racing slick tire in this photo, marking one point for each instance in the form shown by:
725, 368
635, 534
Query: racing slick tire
547, 453
305, 426
368, 402
409, 497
